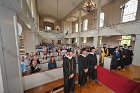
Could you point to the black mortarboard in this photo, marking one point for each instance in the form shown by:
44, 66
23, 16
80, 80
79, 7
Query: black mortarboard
92, 48
83, 49
69, 50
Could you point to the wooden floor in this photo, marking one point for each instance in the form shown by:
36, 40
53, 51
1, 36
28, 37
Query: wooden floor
131, 72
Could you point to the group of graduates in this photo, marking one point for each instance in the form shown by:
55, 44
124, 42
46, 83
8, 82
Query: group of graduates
122, 56
87, 67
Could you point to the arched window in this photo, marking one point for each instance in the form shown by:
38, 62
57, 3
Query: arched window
129, 10
85, 25
84, 39
76, 27
102, 15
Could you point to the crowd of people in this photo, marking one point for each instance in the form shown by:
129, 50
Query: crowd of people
85, 57
87, 64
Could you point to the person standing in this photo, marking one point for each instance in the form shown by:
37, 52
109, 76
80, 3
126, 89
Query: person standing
92, 61
69, 71
116, 59
104, 53
130, 55
83, 68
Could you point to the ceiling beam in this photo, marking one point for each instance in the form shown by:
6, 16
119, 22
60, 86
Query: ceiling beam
73, 11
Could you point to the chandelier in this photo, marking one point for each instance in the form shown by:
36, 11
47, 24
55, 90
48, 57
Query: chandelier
89, 6
57, 27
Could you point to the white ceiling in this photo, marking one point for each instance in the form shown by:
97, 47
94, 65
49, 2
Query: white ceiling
48, 8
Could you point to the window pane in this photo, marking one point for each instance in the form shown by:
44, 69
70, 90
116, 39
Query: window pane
101, 19
130, 11
126, 40
85, 25
84, 39
76, 27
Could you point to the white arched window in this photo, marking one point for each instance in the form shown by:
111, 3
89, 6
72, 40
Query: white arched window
129, 10
84, 39
76, 27
102, 16
85, 25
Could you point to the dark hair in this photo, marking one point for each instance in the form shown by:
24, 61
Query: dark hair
92, 48
83, 49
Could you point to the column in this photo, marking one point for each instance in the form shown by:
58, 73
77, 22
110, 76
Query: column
9, 57
70, 41
136, 59
96, 41
79, 28
29, 41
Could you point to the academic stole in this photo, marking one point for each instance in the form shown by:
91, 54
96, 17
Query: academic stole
69, 64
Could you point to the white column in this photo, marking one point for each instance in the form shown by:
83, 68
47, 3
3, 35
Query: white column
136, 59
96, 38
70, 41
9, 57
29, 41
79, 28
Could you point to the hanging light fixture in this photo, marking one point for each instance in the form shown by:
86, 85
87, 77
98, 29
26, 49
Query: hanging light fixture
89, 6
57, 27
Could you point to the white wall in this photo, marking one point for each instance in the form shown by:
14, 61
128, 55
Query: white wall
1, 82
136, 59
9, 57
29, 41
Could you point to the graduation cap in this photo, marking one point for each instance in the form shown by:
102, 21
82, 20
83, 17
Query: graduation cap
129, 46
83, 49
92, 48
120, 46
116, 47
69, 50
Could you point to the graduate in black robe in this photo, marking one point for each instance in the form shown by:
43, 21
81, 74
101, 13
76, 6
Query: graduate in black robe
69, 71
83, 68
130, 55
92, 64
116, 59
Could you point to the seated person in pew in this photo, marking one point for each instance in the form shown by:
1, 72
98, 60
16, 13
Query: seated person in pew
52, 63
35, 65
23, 66
69, 71
116, 59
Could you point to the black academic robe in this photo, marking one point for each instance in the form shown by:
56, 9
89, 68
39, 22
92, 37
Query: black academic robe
92, 62
83, 64
130, 56
69, 67
116, 60
126, 57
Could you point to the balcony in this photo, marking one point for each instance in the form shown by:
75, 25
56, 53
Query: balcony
53, 34
127, 28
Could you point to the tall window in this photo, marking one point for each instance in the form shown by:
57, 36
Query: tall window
76, 27
84, 39
76, 39
85, 25
102, 15
126, 40
129, 10
48, 28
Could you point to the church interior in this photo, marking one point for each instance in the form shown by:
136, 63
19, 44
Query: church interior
70, 46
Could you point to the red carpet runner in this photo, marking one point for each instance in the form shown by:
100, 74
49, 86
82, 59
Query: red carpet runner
116, 82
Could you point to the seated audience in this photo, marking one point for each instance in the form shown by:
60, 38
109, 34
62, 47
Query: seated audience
35, 65
23, 66
52, 63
